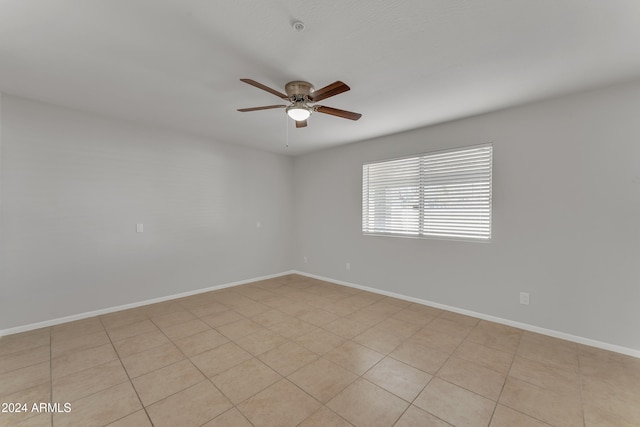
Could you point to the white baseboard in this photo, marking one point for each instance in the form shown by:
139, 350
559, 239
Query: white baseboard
108, 310
549, 332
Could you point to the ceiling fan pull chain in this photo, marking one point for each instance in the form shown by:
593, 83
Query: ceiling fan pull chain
286, 123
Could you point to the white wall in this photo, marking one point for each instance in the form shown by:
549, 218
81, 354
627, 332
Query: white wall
566, 218
74, 185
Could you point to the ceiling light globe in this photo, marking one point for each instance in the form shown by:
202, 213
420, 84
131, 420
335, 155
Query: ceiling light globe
298, 113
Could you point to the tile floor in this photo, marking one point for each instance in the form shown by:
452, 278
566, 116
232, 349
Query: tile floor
294, 351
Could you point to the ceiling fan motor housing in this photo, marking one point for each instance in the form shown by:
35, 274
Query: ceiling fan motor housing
298, 89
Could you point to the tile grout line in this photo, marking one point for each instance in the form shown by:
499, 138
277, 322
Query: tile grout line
128, 376
513, 359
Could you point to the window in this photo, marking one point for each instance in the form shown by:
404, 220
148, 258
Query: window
445, 194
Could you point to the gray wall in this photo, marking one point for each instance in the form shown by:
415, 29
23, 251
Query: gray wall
74, 186
566, 218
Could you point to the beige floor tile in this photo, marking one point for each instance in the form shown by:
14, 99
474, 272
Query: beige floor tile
437, 340
191, 407
63, 347
354, 357
496, 336
280, 405
152, 359
239, 329
560, 355
24, 341
171, 319
83, 383
507, 417
397, 327
384, 307
24, 358
208, 309
415, 317
30, 396
366, 404
366, 317
494, 359
261, 341
244, 380
599, 416
320, 341
123, 318
231, 418
288, 358
322, 379
454, 404
76, 328
200, 342
40, 420
250, 309
400, 379
101, 408
425, 309
606, 396
421, 357
162, 308
139, 343
346, 328
270, 317
318, 317
137, 419
185, 329
542, 404
163, 382
381, 341
459, 318
82, 359
221, 319
547, 376
24, 378
131, 330
473, 377
450, 327
219, 359
293, 328
416, 417
325, 417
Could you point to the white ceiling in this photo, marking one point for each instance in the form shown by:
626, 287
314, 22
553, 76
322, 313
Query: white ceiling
409, 63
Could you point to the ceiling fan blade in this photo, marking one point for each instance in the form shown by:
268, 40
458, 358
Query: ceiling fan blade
301, 124
265, 88
266, 107
339, 113
333, 89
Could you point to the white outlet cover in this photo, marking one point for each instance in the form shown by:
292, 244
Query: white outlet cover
524, 298
139, 228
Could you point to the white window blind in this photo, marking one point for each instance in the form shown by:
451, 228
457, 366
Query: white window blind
445, 194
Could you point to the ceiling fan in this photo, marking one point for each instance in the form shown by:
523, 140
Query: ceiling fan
300, 95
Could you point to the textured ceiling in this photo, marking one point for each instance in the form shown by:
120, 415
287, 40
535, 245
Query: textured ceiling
409, 63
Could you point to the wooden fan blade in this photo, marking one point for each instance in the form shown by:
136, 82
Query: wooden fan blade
339, 113
301, 124
333, 89
266, 107
265, 88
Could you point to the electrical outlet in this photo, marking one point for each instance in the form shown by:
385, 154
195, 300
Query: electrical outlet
348, 266
305, 259
524, 298
139, 228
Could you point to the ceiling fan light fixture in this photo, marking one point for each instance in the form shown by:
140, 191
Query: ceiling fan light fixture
298, 111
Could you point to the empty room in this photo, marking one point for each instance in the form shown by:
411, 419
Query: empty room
319, 213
